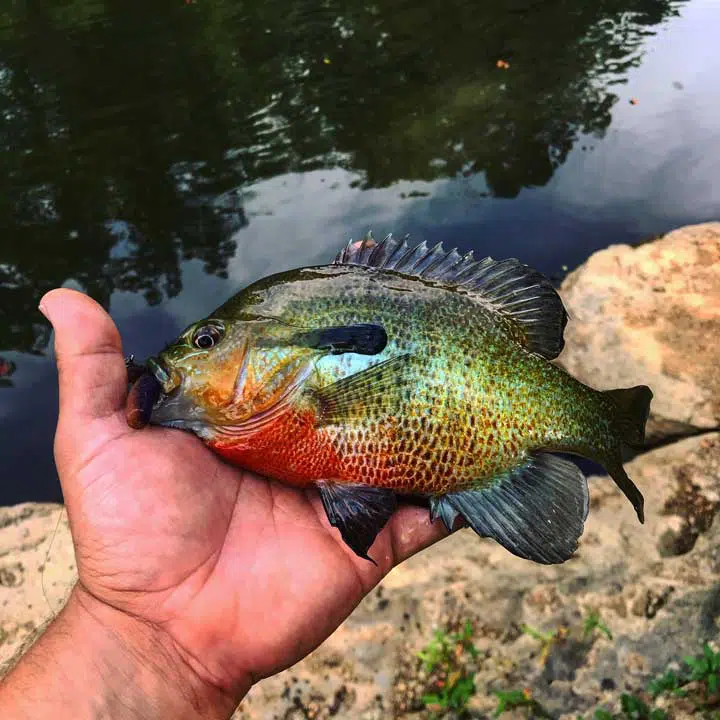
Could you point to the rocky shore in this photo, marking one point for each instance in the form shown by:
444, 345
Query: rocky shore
630, 605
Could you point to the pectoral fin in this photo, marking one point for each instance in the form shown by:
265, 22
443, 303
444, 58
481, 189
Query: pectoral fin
358, 512
375, 391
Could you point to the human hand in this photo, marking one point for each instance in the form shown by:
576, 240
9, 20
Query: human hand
241, 575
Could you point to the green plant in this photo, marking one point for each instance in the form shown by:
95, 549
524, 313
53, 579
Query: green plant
454, 694
440, 649
435, 651
669, 682
631, 708
546, 639
446, 656
512, 699
594, 622
635, 709
539, 635
705, 669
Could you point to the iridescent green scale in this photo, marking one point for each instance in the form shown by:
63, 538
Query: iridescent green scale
471, 401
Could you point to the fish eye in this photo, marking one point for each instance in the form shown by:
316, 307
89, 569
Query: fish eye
207, 336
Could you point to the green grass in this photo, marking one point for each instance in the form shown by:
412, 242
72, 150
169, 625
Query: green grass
449, 661
593, 623
446, 656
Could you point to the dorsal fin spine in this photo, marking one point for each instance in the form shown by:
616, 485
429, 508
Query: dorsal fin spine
435, 255
507, 287
400, 247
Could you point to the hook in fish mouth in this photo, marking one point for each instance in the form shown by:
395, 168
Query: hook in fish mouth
161, 374
173, 408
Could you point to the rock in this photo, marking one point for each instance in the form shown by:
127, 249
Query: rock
639, 315
651, 315
37, 571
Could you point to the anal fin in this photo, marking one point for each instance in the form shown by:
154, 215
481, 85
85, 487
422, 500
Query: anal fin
359, 512
536, 511
443, 510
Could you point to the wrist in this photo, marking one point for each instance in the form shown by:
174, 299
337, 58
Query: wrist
157, 663
95, 660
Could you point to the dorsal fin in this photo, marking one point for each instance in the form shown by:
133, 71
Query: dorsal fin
520, 294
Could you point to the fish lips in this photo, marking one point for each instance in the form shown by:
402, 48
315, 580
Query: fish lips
174, 408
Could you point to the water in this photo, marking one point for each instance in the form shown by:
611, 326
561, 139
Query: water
162, 155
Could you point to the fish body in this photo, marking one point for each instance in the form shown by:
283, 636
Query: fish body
450, 418
405, 371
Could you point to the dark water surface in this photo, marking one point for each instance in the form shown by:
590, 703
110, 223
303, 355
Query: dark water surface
161, 155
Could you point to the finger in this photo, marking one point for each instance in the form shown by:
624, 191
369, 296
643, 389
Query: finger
91, 369
411, 531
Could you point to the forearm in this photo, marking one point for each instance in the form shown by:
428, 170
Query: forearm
97, 662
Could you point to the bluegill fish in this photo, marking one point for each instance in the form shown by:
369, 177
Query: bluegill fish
399, 370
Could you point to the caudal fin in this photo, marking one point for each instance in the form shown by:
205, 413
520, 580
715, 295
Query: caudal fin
633, 409
630, 490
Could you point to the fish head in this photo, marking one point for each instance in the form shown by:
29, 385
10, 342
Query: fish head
221, 374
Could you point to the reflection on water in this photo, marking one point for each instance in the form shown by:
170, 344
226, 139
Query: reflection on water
152, 150
147, 112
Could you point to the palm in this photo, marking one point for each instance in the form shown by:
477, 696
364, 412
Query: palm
243, 573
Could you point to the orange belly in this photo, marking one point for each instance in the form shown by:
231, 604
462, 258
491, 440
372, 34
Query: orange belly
292, 449
288, 448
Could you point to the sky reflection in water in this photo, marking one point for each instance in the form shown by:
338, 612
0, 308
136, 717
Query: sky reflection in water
450, 162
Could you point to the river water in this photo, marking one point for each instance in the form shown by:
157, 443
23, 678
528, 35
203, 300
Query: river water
161, 157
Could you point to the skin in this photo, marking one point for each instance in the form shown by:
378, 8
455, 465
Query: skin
196, 579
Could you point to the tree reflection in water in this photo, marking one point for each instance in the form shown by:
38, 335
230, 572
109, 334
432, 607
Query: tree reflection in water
130, 129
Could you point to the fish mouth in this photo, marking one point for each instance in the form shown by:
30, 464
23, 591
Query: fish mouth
174, 408
161, 374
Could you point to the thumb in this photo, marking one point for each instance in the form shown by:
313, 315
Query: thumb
91, 368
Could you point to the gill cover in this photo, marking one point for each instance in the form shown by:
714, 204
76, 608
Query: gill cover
251, 373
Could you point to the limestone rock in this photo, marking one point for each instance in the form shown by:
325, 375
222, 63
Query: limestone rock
37, 571
651, 315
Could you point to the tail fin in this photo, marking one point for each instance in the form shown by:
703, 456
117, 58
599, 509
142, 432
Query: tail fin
633, 408
630, 490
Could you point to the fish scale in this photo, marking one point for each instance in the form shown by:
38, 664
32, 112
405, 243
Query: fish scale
466, 445
401, 370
